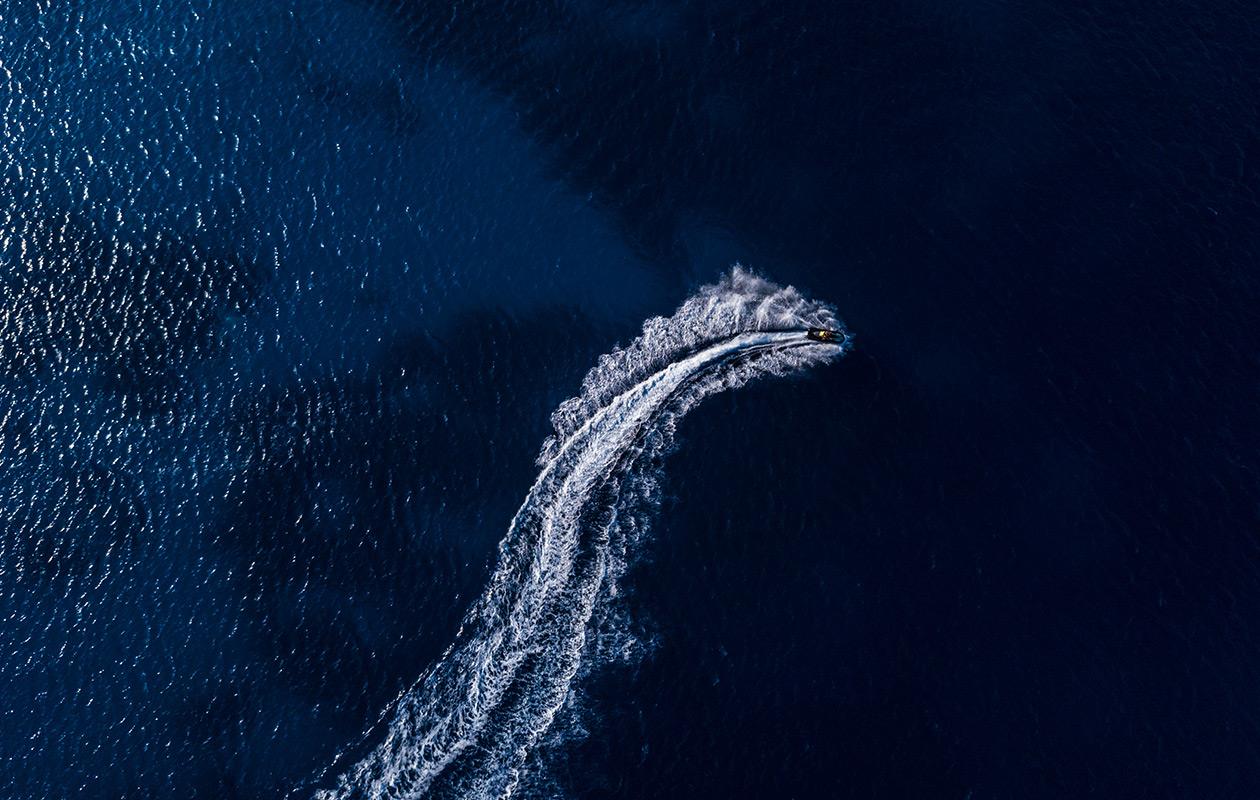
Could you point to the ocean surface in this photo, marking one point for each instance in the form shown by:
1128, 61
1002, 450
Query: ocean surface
383, 413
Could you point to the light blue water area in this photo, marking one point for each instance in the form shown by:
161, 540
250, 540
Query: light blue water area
245, 248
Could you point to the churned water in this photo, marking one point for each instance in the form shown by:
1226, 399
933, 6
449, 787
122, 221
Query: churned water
472, 727
291, 293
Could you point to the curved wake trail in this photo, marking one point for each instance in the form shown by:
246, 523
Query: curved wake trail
469, 727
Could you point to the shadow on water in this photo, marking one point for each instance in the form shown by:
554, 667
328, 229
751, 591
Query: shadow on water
1044, 218
85, 524
132, 313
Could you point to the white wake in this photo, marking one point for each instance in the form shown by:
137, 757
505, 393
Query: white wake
469, 726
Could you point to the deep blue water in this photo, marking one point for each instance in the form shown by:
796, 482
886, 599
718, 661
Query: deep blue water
289, 291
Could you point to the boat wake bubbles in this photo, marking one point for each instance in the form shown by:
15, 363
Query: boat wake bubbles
471, 726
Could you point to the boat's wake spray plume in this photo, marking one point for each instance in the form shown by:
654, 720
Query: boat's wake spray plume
469, 726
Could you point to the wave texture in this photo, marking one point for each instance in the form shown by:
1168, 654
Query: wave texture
471, 726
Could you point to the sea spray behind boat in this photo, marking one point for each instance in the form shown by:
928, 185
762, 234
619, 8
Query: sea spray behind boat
469, 726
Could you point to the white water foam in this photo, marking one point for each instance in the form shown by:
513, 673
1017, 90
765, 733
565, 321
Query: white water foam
471, 725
